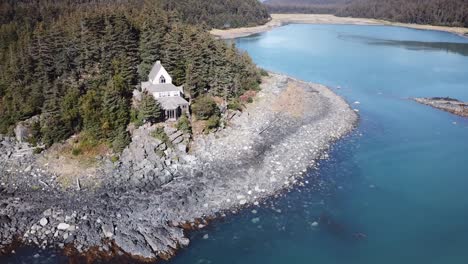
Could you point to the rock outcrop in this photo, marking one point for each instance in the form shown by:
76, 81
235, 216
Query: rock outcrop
447, 104
149, 160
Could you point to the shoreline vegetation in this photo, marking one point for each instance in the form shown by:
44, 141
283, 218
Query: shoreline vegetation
279, 20
238, 166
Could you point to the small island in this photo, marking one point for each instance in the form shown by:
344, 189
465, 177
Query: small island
447, 104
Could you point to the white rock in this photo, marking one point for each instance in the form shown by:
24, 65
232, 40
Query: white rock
43, 221
314, 224
63, 226
242, 202
206, 236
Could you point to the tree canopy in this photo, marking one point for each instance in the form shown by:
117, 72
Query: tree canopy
75, 63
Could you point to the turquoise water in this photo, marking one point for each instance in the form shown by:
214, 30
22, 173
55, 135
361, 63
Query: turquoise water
401, 179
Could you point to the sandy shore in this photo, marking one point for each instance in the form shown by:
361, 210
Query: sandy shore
265, 149
284, 19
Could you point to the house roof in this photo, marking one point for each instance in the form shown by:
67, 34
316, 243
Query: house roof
160, 87
155, 70
172, 102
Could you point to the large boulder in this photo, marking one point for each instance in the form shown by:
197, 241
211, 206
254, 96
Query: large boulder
23, 130
22, 133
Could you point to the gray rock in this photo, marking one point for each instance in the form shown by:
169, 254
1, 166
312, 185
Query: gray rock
47, 212
21, 132
182, 147
176, 135
107, 230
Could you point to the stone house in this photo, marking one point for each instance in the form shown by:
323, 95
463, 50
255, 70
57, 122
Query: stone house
170, 97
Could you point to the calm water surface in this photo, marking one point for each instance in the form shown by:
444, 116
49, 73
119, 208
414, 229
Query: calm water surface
401, 179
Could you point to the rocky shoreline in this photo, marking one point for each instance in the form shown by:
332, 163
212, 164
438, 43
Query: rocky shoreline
446, 104
145, 201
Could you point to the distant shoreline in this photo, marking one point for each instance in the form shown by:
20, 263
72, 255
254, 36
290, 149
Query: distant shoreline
279, 20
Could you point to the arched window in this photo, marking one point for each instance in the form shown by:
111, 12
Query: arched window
162, 79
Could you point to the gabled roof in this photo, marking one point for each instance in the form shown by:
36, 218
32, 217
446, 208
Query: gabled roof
172, 102
155, 70
160, 87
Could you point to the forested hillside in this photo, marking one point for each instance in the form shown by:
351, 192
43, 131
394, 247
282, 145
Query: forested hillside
220, 13
75, 63
305, 6
435, 12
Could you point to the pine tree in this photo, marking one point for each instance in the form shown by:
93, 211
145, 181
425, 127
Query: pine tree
91, 112
151, 41
70, 110
121, 140
116, 108
150, 110
52, 127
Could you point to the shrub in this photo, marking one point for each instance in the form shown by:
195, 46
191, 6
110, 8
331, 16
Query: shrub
248, 96
76, 151
114, 158
204, 108
212, 123
264, 72
35, 137
38, 150
184, 124
160, 134
234, 105
134, 118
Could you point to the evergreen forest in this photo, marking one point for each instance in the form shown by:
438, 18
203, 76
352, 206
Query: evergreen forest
75, 63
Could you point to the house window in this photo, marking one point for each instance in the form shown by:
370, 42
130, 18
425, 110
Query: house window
162, 79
